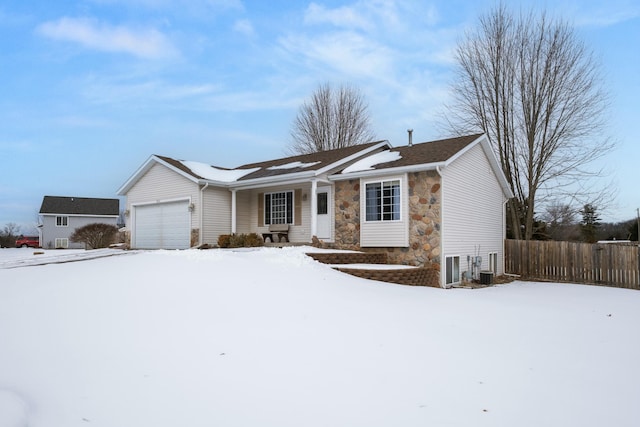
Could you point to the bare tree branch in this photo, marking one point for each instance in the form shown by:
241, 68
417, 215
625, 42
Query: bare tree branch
535, 90
332, 118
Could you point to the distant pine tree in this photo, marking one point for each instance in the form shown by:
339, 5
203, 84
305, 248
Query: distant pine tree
633, 231
590, 223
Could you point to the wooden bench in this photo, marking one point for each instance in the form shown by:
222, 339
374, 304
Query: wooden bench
282, 230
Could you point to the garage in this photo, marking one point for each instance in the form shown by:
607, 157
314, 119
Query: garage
162, 226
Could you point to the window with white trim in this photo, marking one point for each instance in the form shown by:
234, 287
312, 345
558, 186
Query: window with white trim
382, 201
322, 204
452, 270
493, 261
62, 243
278, 208
62, 221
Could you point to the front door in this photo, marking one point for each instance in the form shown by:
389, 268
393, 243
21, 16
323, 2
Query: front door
323, 196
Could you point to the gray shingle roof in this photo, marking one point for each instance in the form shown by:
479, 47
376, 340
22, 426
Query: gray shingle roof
321, 159
79, 206
417, 154
429, 152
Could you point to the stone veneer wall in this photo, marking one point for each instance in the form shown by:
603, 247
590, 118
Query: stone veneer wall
424, 220
425, 217
347, 225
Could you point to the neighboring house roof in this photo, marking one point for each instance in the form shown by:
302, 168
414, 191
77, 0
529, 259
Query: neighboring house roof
79, 206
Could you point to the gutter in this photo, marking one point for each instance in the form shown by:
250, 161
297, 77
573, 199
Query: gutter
201, 225
388, 171
258, 182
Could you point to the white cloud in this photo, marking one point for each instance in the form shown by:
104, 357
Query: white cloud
14, 146
165, 95
181, 5
144, 43
345, 16
347, 52
244, 26
148, 92
607, 17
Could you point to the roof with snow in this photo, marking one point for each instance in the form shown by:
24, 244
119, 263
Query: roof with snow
342, 163
422, 153
79, 206
416, 154
304, 162
271, 168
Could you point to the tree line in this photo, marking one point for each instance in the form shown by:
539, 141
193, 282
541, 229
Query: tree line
562, 222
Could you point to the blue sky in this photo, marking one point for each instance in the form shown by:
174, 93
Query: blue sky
90, 89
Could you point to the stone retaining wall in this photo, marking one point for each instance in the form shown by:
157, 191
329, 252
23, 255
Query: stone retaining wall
349, 257
405, 276
426, 276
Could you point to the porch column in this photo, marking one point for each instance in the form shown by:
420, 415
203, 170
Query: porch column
233, 211
314, 208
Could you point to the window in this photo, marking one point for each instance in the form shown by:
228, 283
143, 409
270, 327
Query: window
493, 261
278, 208
62, 242
382, 201
452, 272
323, 206
62, 221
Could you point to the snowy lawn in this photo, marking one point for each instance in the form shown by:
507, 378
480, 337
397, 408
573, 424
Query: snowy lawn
272, 338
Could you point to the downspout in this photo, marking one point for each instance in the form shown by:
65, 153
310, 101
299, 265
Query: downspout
201, 225
504, 236
233, 210
314, 209
443, 263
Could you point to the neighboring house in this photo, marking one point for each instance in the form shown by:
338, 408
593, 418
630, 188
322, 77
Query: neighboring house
436, 203
62, 215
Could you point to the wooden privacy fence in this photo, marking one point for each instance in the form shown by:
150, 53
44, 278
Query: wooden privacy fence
605, 264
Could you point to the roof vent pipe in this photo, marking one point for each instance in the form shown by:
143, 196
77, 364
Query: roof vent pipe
410, 131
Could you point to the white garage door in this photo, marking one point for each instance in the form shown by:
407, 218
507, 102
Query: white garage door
162, 226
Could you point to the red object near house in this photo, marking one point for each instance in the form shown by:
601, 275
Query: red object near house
28, 241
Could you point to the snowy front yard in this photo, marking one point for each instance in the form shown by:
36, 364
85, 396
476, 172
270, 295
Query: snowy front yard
272, 338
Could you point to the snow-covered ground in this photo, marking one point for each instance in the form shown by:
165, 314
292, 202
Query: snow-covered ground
22, 257
269, 337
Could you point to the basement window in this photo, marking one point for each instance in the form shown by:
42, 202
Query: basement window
62, 243
452, 270
493, 262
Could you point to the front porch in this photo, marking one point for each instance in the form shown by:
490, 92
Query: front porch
293, 212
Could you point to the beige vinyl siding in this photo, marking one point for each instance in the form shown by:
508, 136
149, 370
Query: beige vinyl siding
385, 233
302, 214
162, 184
472, 210
243, 211
217, 214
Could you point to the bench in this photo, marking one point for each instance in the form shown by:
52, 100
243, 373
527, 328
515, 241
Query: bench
282, 230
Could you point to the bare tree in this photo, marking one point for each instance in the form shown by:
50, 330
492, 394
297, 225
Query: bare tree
535, 90
95, 236
561, 221
8, 235
332, 118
